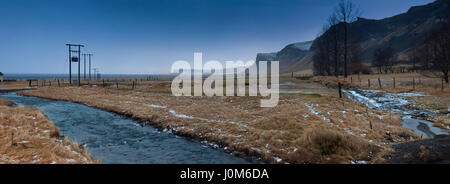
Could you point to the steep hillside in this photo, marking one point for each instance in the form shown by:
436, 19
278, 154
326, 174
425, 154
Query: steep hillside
402, 32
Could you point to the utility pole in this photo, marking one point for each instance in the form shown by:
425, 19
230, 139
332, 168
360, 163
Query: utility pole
84, 57
79, 80
96, 71
74, 59
70, 64
89, 55
89, 65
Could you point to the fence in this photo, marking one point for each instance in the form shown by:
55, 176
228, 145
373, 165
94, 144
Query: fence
411, 83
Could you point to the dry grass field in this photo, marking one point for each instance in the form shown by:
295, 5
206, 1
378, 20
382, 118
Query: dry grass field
309, 127
28, 137
14, 85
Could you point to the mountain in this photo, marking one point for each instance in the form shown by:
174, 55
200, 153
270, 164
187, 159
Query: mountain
288, 56
403, 32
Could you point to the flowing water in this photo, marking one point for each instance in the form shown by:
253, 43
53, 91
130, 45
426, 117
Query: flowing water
396, 103
112, 138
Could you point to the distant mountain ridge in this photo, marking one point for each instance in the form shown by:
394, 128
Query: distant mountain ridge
402, 32
288, 56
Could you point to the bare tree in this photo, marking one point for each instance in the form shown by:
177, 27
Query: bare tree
334, 34
333, 52
346, 12
389, 59
383, 58
356, 65
414, 58
424, 54
438, 42
378, 60
319, 62
321, 58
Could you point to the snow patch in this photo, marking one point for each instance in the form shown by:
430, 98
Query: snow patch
312, 110
303, 45
278, 159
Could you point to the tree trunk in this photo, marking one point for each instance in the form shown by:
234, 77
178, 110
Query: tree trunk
345, 50
446, 77
336, 68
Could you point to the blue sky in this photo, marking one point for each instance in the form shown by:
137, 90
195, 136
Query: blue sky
147, 36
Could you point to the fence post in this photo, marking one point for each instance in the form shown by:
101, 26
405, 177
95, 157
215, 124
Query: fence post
379, 83
59, 85
133, 85
394, 82
103, 82
29, 83
442, 84
370, 121
12, 139
340, 91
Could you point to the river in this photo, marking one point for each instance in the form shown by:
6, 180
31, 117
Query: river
396, 103
113, 138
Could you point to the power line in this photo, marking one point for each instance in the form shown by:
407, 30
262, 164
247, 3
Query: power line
90, 65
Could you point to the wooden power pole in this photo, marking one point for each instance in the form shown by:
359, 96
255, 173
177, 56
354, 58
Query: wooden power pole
74, 59
89, 55
84, 74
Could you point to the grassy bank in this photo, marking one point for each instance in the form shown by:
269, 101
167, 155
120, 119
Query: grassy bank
27, 136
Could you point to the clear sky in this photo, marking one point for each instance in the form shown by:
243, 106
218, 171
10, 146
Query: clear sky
147, 36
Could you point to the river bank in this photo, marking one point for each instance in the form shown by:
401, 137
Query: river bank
301, 129
27, 136
429, 151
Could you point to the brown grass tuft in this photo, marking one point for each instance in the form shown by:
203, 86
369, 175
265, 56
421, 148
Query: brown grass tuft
326, 146
6, 102
28, 137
